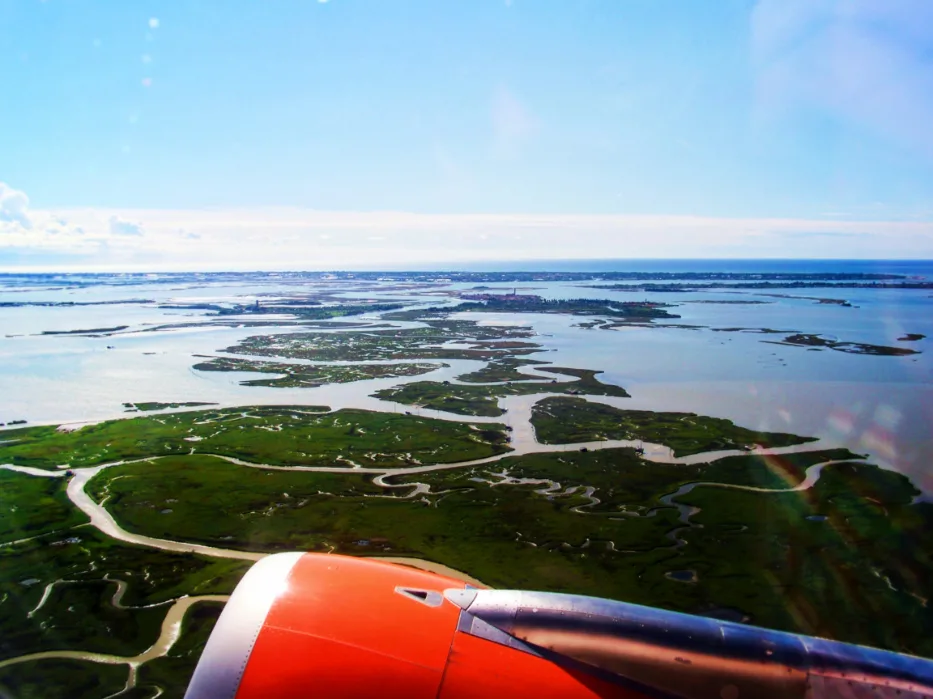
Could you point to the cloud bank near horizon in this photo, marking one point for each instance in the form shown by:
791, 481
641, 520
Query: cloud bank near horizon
295, 238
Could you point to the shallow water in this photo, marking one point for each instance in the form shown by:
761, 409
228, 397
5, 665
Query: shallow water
881, 406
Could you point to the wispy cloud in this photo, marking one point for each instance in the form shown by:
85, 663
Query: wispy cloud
38, 233
308, 239
14, 206
512, 122
119, 226
296, 238
862, 61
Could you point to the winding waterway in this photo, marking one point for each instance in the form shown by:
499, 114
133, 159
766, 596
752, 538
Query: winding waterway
646, 359
171, 630
523, 440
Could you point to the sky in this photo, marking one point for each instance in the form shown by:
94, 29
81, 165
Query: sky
301, 134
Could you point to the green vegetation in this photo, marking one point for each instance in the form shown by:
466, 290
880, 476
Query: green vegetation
569, 420
592, 523
81, 616
806, 340
529, 303
625, 483
61, 679
468, 525
90, 331
172, 672
31, 506
208, 500
422, 314
304, 375
483, 399
502, 370
148, 407
95, 624
461, 400
282, 510
483, 342
309, 310
849, 559
283, 436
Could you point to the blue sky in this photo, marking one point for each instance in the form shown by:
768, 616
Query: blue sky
152, 132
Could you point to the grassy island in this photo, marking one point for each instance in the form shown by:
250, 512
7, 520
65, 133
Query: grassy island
501, 370
281, 436
90, 331
568, 420
477, 342
306, 310
530, 303
304, 375
34, 506
809, 340
483, 399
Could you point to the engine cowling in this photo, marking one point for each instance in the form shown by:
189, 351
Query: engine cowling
338, 627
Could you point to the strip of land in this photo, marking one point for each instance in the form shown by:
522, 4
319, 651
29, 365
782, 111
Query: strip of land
482, 400
809, 340
309, 376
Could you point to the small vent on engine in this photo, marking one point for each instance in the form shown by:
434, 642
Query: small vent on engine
428, 597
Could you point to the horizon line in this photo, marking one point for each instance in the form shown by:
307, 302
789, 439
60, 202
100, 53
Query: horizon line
468, 267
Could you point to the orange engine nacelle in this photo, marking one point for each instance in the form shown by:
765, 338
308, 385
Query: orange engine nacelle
334, 627
315, 625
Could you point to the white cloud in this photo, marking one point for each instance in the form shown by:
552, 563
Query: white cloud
296, 238
293, 238
119, 226
14, 206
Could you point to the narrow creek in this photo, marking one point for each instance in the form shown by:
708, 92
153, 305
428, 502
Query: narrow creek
170, 632
523, 440
812, 475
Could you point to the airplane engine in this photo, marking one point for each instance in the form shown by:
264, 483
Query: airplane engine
339, 627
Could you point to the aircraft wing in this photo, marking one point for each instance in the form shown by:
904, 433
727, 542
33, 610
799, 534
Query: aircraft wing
339, 627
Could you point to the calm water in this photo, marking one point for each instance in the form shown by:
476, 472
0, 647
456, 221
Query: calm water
882, 406
909, 267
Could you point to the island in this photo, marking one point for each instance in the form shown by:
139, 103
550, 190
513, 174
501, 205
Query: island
305, 375
483, 399
810, 340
